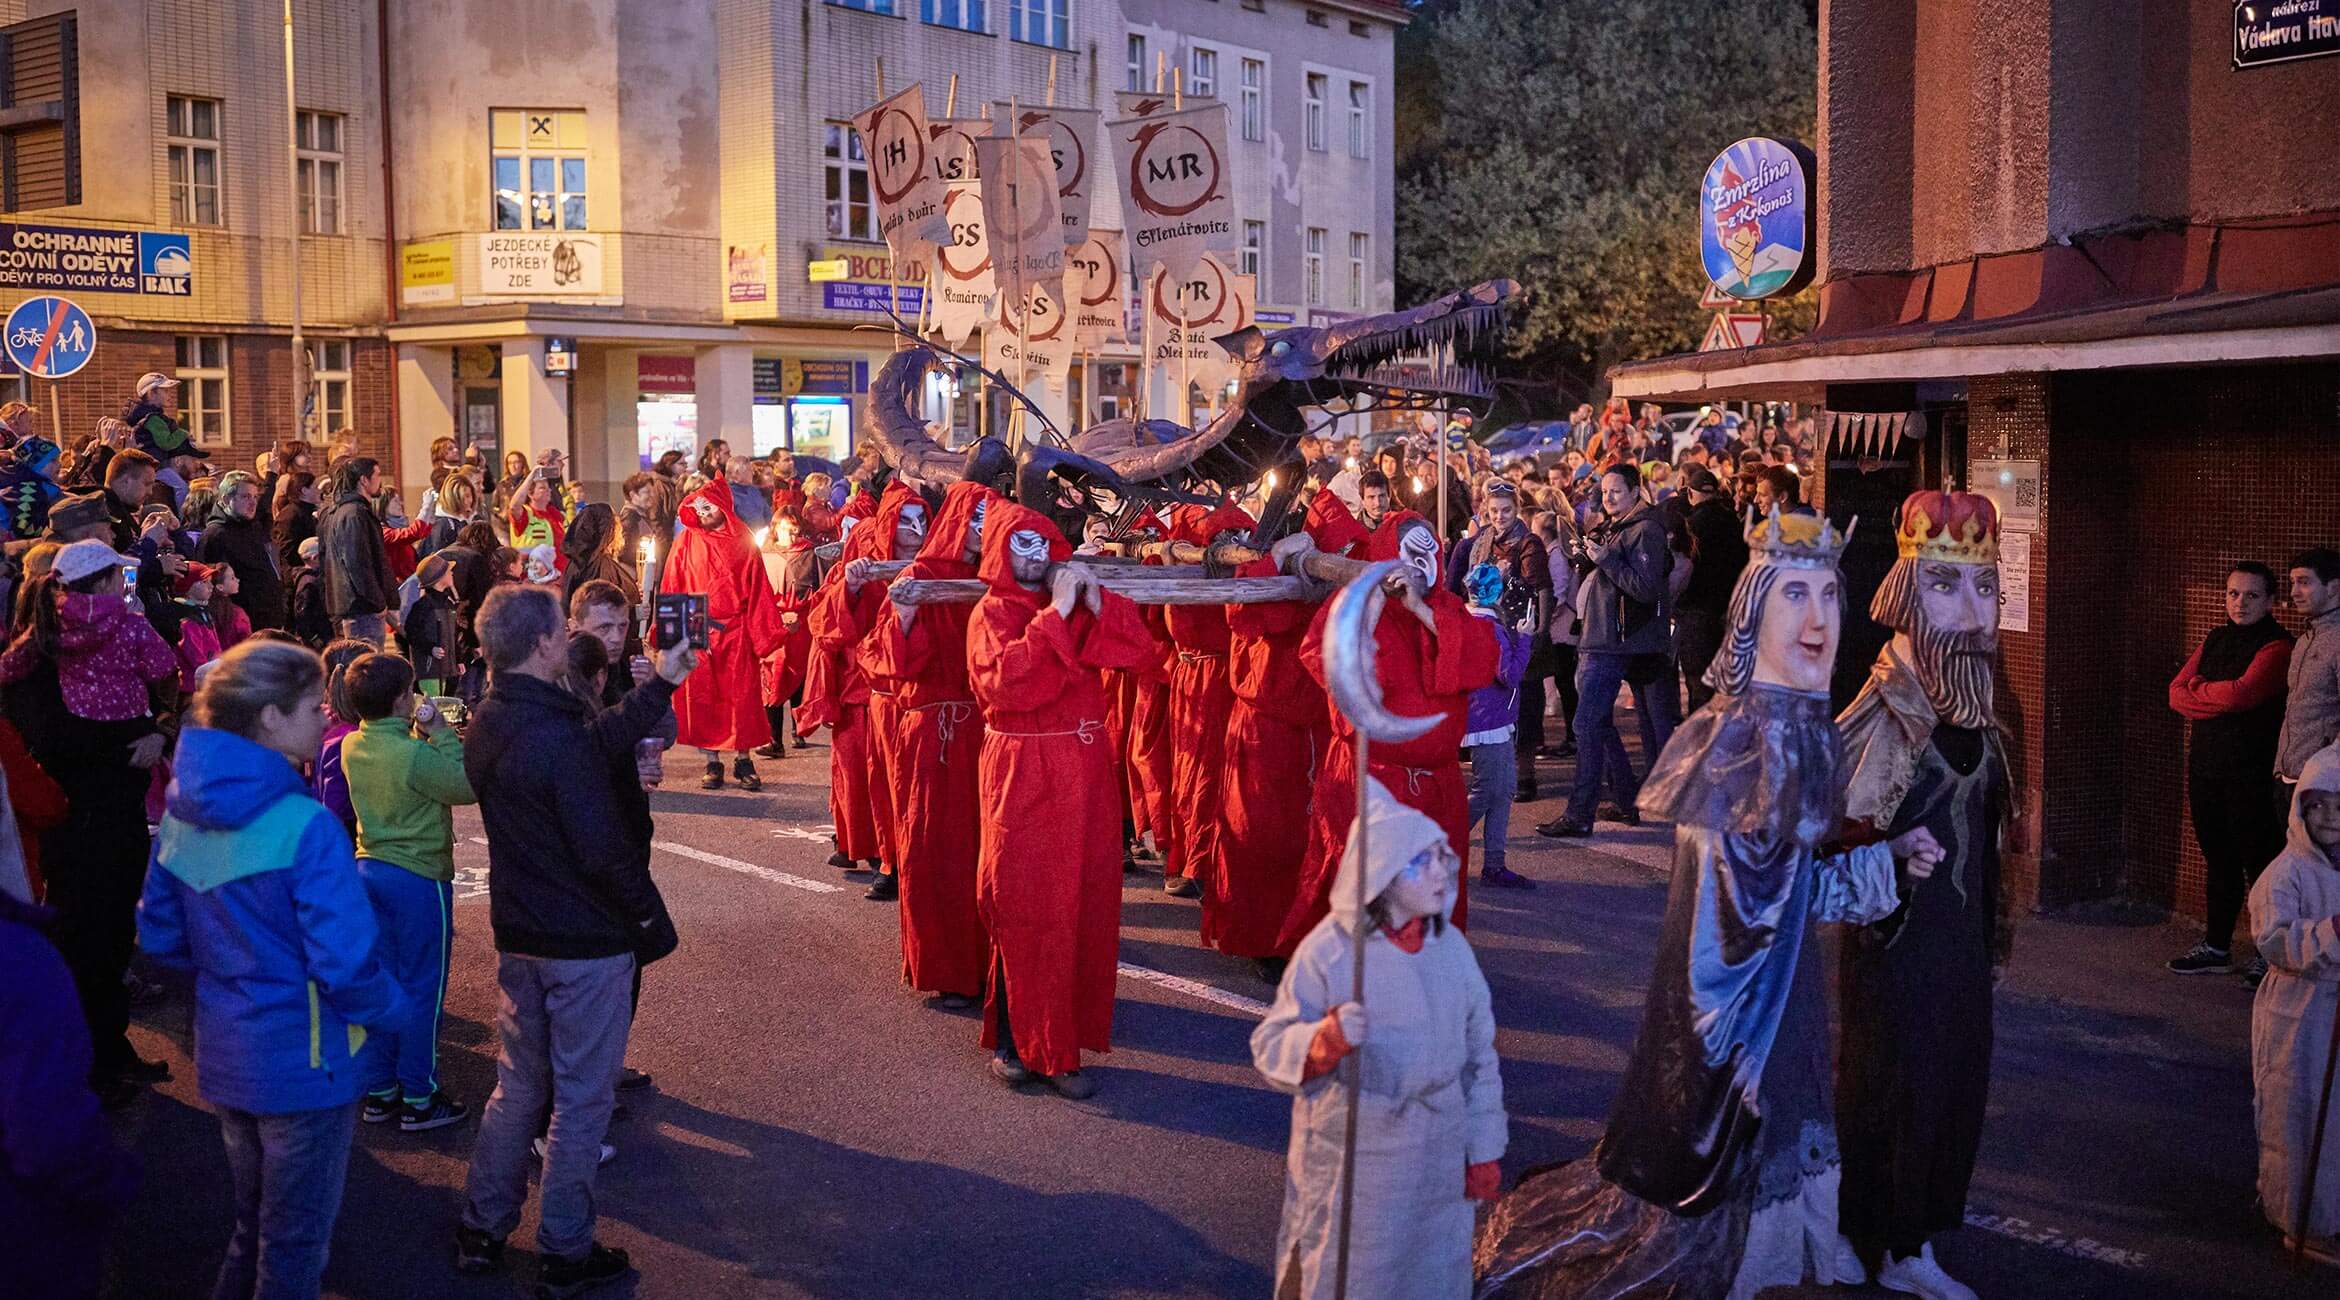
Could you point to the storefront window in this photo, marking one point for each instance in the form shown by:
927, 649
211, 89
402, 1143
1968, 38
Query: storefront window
668, 422
821, 426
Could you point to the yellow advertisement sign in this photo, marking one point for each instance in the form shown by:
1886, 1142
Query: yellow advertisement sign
870, 264
426, 272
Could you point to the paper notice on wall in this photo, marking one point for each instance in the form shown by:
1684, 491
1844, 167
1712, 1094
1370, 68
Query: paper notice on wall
1071, 134
2015, 581
1177, 187
1185, 319
898, 143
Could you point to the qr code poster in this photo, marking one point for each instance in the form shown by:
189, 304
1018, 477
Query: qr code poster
2014, 487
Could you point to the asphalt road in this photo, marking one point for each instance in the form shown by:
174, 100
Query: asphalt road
818, 1131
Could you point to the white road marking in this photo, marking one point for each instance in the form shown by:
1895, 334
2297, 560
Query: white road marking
2056, 1239
747, 868
1196, 989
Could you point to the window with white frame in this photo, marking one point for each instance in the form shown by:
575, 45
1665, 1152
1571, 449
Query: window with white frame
1254, 99
1202, 73
1140, 77
1360, 118
328, 387
1316, 266
1314, 85
845, 184
1357, 260
538, 160
1041, 22
1254, 238
966, 15
866, 6
202, 373
317, 164
192, 138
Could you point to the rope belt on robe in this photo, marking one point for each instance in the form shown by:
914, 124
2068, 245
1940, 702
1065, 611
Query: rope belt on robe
1198, 656
1087, 731
946, 722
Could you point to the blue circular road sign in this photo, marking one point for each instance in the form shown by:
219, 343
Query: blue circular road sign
50, 338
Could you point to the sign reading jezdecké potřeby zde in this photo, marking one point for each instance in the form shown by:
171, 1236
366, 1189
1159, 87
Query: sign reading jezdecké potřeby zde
1754, 221
2282, 31
90, 260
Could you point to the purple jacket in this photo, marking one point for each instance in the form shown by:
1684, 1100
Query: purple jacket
1497, 705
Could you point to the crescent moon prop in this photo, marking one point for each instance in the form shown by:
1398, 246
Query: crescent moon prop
1348, 655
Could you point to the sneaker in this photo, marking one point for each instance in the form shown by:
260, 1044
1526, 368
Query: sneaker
1623, 816
840, 862
2254, 972
2202, 959
885, 890
631, 1079
1849, 1269
1006, 1068
380, 1110
802, 743
1565, 828
714, 778
1072, 1085
744, 772
440, 1111
1181, 887
1919, 1275
772, 750
957, 1002
476, 1251
608, 1152
1504, 878
600, 1266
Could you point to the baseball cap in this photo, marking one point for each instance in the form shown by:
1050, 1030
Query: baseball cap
1698, 478
84, 558
154, 379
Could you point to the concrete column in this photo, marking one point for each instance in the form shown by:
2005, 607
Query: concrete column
426, 413
726, 379
536, 406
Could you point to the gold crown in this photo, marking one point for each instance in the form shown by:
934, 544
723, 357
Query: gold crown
1952, 527
1804, 540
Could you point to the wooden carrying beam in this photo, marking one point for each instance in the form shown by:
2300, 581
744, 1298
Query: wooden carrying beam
1181, 584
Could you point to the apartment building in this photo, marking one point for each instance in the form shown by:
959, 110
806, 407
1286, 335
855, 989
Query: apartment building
590, 224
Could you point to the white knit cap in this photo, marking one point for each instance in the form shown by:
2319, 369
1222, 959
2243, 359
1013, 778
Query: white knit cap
82, 559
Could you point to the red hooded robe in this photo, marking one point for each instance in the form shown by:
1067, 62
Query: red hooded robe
1048, 884
837, 697
1280, 732
785, 668
1137, 712
843, 623
1420, 675
720, 705
932, 755
1201, 703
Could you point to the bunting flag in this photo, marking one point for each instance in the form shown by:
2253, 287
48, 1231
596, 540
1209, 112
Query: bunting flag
1177, 187
1019, 207
1092, 287
1185, 319
896, 140
1869, 433
962, 282
1071, 134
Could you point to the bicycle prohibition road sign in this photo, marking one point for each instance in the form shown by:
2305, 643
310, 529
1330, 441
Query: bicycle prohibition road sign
50, 338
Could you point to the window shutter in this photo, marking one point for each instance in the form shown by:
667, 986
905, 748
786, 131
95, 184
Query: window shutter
40, 114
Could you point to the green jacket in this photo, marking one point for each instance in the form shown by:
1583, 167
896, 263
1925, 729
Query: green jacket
405, 790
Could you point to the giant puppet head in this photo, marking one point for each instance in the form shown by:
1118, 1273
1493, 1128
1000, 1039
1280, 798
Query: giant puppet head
1943, 595
1787, 609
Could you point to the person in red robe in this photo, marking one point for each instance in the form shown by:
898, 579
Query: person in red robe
919, 654
721, 707
1137, 712
793, 569
1430, 653
836, 697
1048, 881
1279, 734
1201, 704
845, 617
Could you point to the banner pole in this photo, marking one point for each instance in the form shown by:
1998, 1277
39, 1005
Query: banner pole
951, 101
1051, 101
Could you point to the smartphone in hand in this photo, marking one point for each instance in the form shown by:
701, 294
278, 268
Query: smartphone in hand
680, 618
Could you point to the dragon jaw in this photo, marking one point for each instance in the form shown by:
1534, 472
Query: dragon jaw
1439, 352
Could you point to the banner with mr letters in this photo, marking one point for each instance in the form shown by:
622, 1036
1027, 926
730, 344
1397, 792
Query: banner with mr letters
1177, 187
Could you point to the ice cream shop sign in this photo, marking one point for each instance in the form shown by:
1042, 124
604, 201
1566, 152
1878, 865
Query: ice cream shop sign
1754, 218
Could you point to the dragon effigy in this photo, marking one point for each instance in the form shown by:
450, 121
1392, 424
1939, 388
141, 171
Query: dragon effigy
1289, 382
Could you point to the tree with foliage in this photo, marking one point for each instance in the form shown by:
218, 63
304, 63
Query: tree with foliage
1562, 145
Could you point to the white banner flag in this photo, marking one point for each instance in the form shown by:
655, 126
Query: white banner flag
1033, 341
962, 283
1093, 279
1071, 134
897, 141
1176, 187
1185, 318
1019, 213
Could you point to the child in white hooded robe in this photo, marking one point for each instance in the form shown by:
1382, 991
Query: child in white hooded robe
1430, 1125
2295, 921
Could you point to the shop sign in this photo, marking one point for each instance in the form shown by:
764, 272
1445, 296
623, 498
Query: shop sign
746, 273
94, 260
1753, 218
2282, 31
560, 356
426, 272
822, 376
1273, 316
657, 374
852, 295
826, 269
2012, 486
516, 264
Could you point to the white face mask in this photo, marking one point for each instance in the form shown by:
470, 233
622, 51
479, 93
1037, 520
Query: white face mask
975, 524
1419, 549
1027, 556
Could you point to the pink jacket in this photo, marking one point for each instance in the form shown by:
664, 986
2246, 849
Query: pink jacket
106, 654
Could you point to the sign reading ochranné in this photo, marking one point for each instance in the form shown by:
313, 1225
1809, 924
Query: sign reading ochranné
2281, 31
92, 260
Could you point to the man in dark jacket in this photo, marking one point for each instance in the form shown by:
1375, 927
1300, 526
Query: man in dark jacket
574, 911
1626, 641
360, 594
236, 536
1718, 551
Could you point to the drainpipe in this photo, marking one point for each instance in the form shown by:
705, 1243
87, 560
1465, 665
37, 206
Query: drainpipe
389, 218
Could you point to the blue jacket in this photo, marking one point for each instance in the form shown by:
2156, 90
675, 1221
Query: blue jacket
255, 885
1495, 706
62, 1179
